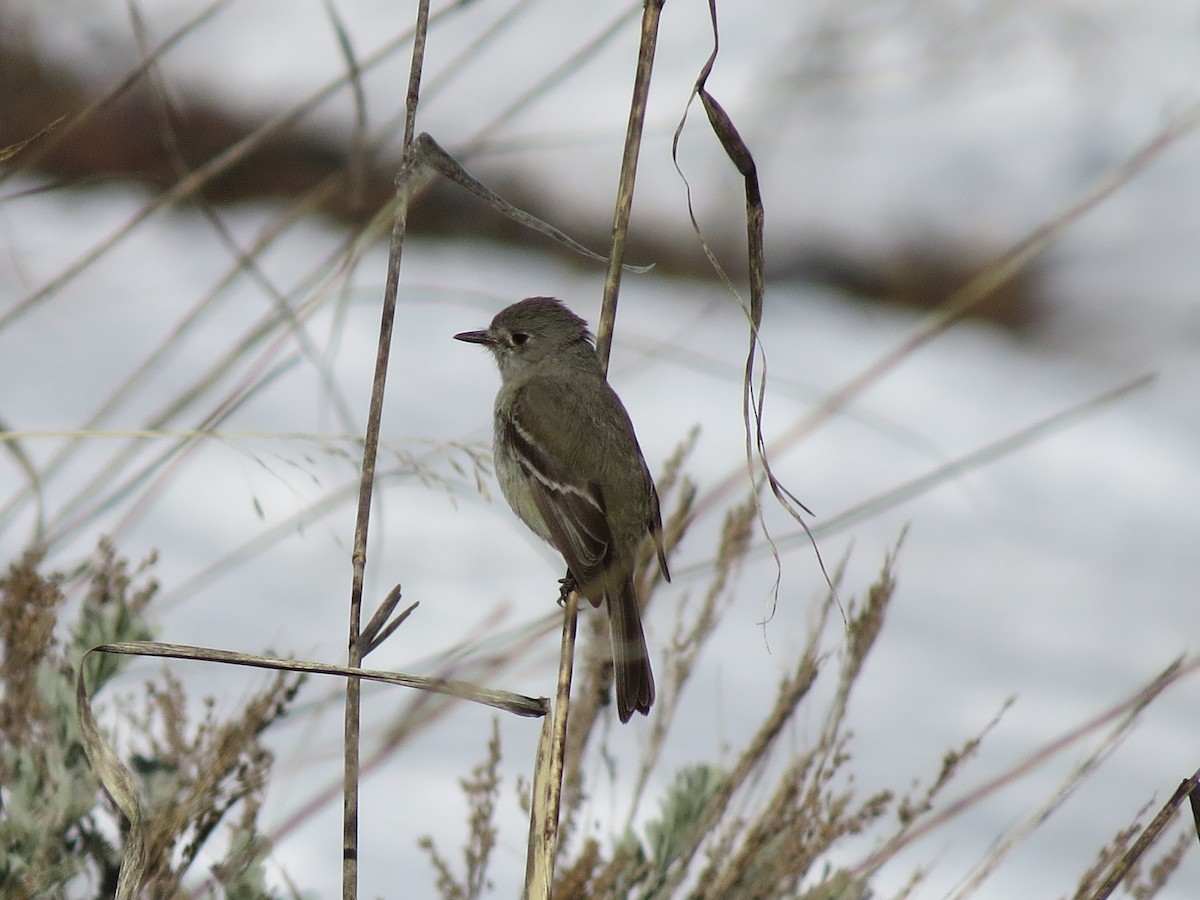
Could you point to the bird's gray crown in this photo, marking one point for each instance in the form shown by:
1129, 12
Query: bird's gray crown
546, 318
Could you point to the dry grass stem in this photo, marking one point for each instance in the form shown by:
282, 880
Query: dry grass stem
544, 832
353, 717
1125, 858
548, 767
651, 13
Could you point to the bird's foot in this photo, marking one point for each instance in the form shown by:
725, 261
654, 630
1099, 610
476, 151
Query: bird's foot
565, 587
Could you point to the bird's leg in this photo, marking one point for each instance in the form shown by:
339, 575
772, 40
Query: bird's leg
565, 586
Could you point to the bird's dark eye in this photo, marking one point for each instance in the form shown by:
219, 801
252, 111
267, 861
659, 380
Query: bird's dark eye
519, 338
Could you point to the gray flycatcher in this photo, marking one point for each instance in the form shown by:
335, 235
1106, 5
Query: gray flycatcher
570, 467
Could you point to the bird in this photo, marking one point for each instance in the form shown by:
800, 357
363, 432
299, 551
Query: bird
569, 464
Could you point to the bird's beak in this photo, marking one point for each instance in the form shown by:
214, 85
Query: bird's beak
476, 337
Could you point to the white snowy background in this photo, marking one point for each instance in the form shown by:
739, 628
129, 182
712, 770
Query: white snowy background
1062, 575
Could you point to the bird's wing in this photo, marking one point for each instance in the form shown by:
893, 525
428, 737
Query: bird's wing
571, 505
655, 526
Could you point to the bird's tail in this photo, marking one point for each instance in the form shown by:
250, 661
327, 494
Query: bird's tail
631, 660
